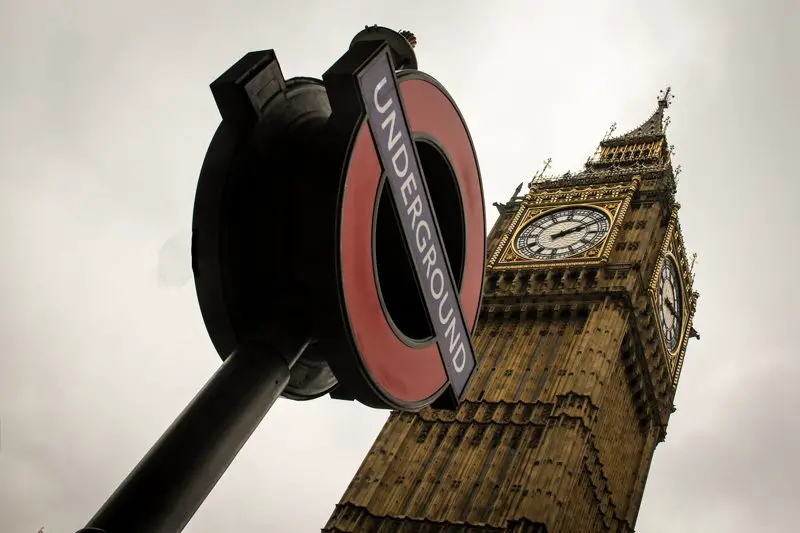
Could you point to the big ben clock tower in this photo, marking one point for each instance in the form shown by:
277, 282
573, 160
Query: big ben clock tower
587, 311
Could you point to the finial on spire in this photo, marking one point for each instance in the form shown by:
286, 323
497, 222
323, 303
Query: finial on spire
410, 37
665, 98
546, 165
610, 131
539, 175
692, 271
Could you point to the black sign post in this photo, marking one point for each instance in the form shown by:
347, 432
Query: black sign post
307, 191
170, 483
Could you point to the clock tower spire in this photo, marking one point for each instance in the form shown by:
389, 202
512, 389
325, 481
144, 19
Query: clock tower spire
587, 311
643, 145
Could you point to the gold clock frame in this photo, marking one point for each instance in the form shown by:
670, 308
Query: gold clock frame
673, 248
671, 354
613, 201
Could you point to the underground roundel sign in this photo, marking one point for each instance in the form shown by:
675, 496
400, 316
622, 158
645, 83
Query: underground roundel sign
411, 234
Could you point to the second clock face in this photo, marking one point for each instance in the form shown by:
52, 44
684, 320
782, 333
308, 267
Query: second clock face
670, 303
563, 233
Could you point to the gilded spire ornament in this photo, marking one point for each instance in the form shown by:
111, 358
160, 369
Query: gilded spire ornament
610, 131
538, 177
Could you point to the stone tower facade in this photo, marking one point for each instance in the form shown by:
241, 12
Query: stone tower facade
587, 311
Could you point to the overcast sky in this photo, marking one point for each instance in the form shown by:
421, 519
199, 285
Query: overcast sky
105, 116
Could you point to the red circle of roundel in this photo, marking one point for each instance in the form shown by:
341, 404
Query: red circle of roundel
403, 373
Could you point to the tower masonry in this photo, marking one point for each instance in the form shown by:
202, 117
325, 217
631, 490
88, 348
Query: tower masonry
587, 311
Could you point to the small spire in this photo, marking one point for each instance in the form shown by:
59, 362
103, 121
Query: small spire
546, 163
539, 175
610, 131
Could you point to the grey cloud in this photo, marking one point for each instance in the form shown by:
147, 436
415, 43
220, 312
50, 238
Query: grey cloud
106, 115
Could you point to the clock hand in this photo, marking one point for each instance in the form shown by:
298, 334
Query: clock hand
572, 230
668, 302
566, 232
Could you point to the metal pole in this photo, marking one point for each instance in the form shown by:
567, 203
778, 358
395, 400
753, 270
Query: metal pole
169, 484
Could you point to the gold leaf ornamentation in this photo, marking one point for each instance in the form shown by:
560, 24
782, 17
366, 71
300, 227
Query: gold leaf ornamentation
531, 214
511, 256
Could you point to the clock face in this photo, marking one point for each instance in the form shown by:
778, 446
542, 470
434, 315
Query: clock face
563, 233
670, 304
